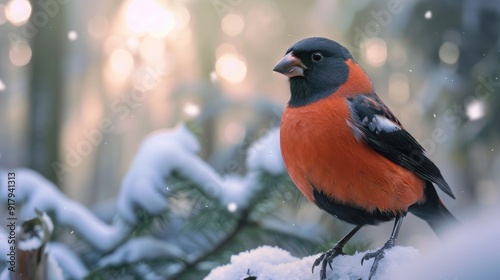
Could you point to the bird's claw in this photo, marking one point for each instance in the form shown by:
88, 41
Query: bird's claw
377, 256
327, 258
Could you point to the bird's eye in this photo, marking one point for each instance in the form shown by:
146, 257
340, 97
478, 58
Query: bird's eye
317, 57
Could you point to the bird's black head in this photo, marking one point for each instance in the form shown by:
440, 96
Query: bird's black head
316, 67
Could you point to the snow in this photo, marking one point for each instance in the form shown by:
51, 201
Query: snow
33, 238
236, 190
468, 251
34, 192
54, 272
272, 263
141, 248
265, 154
165, 151
68, 261
160, 154
33, 242
471, 251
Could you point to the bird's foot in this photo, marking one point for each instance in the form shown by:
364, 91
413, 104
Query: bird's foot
377, 256
327, 258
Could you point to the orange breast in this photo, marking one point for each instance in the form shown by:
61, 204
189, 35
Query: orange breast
320, 150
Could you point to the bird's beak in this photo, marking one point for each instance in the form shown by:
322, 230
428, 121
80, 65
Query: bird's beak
290, 66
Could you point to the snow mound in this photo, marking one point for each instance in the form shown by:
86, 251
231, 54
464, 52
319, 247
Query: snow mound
272, 263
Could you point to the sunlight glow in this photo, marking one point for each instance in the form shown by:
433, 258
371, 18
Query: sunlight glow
147, 16
18, 11
152, 50
122, 63
98, 26
231, 68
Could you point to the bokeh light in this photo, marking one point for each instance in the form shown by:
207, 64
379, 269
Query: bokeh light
475, 110
20, 54
225, 48
191, 109
232, 24
449, 53
376, 52
2, 86
231, 68
18, 11
147, 16
231, 207
72, 35
428, 14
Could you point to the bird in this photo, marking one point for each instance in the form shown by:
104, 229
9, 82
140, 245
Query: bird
347, 152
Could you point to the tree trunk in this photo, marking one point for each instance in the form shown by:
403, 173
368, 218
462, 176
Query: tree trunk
46, 85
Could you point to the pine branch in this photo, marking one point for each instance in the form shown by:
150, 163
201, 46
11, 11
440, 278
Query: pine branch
242, 222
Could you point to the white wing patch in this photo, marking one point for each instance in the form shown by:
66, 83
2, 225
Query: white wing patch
380, 124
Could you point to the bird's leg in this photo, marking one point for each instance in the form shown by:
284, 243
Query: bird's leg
379, 254
336, 250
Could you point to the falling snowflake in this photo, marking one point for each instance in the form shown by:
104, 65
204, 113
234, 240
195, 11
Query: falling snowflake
428, 14
475, 110
2, 85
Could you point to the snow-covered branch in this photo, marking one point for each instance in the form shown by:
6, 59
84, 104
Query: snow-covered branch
34, 192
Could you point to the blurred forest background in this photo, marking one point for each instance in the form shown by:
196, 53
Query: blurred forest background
83, 82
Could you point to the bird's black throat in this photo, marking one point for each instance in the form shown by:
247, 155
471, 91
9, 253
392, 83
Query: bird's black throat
304, 92
318, 82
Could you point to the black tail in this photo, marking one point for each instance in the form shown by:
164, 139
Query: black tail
433, 211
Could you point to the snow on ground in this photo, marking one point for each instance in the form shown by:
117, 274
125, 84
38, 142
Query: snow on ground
468, 251
272, 263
